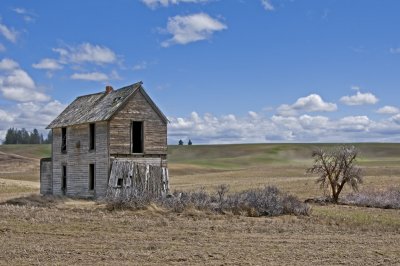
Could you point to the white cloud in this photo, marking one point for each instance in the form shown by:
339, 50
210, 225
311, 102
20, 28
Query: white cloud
359, 98
22, 94
253, 115
388, 110
92, 76
310, 103
8, 64
395, 50
8, 33
86, 53
267, 5
209, 128
29, 115
354, 123
156, 3
17, 85
48, 63
5, 116
396, 119
191, 28
2, 47
313, 122
33, 114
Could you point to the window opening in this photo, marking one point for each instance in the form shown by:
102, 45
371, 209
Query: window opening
119, 182
64, 179
64, 139
137, 137
92, 136
91, 177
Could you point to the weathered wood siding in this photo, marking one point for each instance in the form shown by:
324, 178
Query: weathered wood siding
130, 179
46, 176
77, 160
155, 129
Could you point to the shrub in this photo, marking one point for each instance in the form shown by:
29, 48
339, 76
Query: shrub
268, 201
387, 199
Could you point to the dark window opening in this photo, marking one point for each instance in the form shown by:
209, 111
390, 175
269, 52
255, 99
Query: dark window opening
64, 139
64, 179
91, 176
137, 137
92, 136
119, 182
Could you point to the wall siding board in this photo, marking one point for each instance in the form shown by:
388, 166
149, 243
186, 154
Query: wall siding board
77, 159
112, 140
155, 130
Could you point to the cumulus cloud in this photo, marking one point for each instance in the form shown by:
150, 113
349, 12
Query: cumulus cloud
8, 64
267, 5
256, 127
8, 33
29, 115
17, 85
86, 53
359, 98
157, 3
48, 64
5, 116
388, 110
310, 103
191, 28
92, 76
354, 123
34, 114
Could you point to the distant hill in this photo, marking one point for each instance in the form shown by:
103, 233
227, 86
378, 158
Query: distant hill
197, 159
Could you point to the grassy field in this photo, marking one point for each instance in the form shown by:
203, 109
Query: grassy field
69, 231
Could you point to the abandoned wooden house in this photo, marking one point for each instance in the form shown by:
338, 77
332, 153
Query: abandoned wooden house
113, 142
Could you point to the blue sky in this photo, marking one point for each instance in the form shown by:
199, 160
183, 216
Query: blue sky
223, 71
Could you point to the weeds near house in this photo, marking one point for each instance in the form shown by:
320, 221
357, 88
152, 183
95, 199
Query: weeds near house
268, 201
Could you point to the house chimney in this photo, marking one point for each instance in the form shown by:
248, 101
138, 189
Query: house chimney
109, 89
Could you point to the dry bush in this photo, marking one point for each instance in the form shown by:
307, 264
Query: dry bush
387, 199
136, 202
256, 202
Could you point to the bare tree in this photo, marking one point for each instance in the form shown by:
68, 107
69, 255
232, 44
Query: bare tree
336, 168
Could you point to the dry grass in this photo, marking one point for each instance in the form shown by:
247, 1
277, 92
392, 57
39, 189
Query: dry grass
81, 234
84, 232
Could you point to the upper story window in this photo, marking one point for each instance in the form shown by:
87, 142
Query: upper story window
137, 136
92, 136
63, 139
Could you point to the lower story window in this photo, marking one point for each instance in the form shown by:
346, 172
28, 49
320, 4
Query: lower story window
91, 176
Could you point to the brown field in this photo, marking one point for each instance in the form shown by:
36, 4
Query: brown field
66, 231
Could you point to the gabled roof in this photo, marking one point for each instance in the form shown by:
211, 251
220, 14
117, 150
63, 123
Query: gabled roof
100, 107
